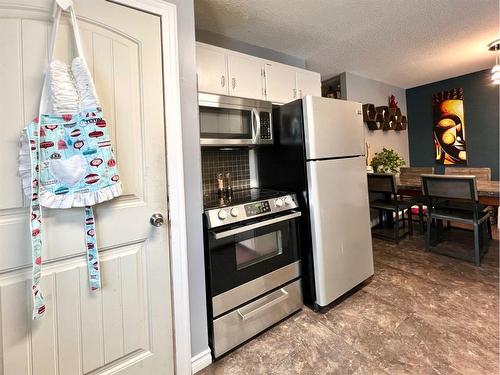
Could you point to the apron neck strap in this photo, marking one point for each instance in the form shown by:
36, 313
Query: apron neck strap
59, 7
74, 23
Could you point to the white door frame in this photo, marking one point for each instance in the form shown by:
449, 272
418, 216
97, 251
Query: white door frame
175, 177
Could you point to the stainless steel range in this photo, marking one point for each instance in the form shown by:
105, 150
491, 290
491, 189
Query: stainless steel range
252, 263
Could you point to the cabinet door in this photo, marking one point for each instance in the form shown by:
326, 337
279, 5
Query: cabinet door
280, 83
211, 69
308, 83
246, 77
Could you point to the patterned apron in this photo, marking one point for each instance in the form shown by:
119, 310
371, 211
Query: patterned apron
66, 158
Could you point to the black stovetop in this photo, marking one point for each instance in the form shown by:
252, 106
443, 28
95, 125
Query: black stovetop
239, 197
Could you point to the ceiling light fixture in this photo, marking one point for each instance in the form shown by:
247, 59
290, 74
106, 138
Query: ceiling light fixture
495, 71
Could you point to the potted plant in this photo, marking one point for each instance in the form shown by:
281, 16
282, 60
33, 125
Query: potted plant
387, 161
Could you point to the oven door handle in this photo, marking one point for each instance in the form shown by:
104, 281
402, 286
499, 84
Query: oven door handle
232, 232
283, 295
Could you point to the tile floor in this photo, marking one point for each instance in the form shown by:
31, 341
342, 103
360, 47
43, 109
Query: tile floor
422, 313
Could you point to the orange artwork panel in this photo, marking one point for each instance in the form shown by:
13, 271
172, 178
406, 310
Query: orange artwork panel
449, 127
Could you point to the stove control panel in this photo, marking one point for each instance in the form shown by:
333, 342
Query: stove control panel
257, 208
237, 213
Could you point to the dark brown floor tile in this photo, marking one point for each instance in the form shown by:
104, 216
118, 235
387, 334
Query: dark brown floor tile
319, 347
460, 354
371, 308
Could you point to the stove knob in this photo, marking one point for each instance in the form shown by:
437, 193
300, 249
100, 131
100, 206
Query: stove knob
222, 214
279, 202
288, 200
235, 211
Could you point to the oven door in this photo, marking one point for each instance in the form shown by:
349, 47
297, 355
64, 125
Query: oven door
244, 253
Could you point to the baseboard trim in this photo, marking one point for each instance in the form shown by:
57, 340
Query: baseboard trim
200, 361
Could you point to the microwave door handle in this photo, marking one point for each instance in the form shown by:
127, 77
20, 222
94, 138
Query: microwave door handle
255, 125
232, 232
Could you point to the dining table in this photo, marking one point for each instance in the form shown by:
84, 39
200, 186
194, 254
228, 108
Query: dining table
488, 191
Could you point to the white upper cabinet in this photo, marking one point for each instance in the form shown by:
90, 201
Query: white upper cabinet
212, 70
308, 83
225, 72
280, 83
245, 77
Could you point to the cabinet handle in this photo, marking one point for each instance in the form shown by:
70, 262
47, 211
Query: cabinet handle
234, 83
294, 93
300, 93
222, 81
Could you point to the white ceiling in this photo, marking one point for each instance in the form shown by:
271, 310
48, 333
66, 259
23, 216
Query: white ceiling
401, 42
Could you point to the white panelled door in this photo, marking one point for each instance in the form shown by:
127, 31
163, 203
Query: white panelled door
127, 326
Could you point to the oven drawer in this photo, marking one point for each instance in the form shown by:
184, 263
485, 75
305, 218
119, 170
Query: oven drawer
255, 288
238, 326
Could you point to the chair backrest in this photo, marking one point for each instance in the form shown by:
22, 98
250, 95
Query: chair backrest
415, 172
482, 174
381, 183
450, 187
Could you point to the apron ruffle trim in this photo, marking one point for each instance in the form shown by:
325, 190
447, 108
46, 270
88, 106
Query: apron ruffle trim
50, 200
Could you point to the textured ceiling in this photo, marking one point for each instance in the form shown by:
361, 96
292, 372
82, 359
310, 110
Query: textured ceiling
402, 42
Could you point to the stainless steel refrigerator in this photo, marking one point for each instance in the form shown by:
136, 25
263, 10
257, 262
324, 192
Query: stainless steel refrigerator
319, 154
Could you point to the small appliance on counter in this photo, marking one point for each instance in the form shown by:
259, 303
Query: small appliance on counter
228, 121
319, 155
252, 264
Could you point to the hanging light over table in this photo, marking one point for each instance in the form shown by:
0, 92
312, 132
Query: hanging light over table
495, 71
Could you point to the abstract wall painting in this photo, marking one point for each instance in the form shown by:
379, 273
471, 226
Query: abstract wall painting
449, 127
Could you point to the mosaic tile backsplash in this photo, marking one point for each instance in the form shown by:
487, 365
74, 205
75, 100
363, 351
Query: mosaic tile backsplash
214, 161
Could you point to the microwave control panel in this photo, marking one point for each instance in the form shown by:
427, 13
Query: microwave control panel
257, 208
265, 125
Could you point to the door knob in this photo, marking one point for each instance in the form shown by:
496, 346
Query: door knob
156, 220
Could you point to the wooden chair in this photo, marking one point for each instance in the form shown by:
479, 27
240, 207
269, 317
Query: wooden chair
415, 172
384, 183
482, 174
454, 198
420, 202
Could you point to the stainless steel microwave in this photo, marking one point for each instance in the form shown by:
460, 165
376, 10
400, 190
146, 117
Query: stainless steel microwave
232, 121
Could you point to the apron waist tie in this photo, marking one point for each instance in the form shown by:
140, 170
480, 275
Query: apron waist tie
92, 252
36, 251
36, 228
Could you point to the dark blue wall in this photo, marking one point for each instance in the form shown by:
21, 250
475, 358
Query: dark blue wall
481, 113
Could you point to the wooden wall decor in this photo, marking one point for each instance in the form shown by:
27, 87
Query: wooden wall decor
402, 124
384, 118
369, 116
